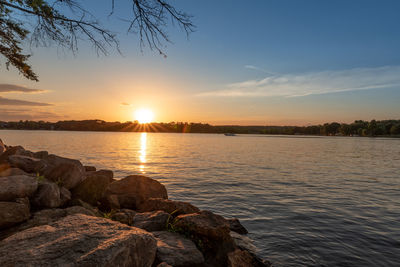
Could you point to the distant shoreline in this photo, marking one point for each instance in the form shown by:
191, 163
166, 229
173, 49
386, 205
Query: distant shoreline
259, 134
373, 128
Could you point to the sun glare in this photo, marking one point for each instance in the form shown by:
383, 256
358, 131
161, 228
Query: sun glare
144, 115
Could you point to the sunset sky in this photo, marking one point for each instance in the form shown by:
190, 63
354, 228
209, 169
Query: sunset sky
248, 62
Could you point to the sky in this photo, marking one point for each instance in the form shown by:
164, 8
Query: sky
259, 62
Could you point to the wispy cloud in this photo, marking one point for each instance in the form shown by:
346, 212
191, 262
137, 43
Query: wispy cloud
9, 88
16, 102
12, 88
27, 114
323, 82
125, 104
252, 67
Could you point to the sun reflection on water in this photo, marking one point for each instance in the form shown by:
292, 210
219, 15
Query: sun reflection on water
142, 152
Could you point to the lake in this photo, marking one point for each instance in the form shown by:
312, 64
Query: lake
306, 201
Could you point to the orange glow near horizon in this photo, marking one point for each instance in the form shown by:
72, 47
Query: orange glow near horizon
144, 115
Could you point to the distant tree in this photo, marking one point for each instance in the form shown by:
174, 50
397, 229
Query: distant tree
372, 127
395, 130
345, 129
64, 22
330, 128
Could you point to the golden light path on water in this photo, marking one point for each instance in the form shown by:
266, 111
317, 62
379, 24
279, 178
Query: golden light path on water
142, 152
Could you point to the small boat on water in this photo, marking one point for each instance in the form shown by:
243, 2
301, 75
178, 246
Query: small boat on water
229, 134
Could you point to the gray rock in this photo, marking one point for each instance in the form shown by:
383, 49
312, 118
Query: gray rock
135, 189
65, 196
212, 231
125, 216
40, 154
236, 226
79, 240
12, 213
28, 164
68, 172
170, 206
205, 223
18, 186
151, 221
92, 189
12, 172
47, 195
13, 150
243, 242
177, 250
164, 264
43, 217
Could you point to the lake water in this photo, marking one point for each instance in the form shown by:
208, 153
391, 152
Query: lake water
306, 201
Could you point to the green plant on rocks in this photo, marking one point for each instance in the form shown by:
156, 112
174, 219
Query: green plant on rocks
171, 223
40, 178
108, 215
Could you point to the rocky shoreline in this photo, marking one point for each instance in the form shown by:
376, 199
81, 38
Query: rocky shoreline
56, 212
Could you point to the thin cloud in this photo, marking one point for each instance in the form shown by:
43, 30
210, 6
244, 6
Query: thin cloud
26, 114
252, 67
9, 88
125, 104
15, 102
323, 82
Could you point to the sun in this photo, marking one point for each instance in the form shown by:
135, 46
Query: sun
144, 115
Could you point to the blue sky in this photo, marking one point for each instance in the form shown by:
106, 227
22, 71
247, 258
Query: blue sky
253, 62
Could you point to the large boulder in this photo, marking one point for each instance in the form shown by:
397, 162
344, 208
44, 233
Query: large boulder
151, 221
49, 195
18, 186
12, 213
43, 217
211, 231
177, 250
67, 172
135, 189
92, 189
170, 206
79, 240
204, 223
28, 164
13, 150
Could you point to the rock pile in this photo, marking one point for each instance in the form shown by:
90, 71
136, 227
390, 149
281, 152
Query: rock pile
54, 212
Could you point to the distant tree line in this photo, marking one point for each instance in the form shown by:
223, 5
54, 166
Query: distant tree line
357, 128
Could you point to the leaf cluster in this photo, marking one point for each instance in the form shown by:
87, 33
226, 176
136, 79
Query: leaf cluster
45, 22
